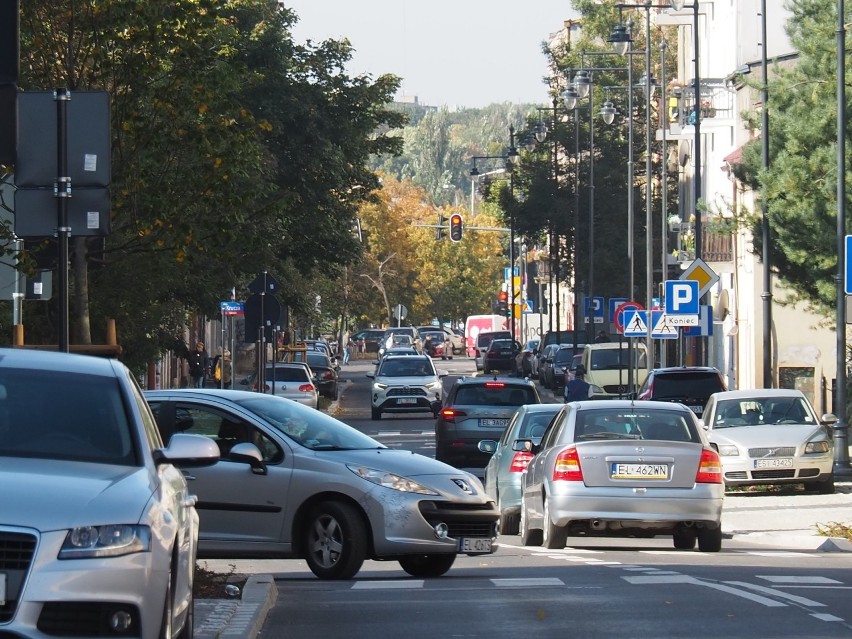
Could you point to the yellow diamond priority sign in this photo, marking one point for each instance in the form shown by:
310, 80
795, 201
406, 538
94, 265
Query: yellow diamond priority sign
699, 272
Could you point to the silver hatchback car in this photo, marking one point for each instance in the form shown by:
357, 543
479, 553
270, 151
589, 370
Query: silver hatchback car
621, 468
506, 467
296, 483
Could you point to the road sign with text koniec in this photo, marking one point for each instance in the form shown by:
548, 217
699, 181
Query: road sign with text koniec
661, 328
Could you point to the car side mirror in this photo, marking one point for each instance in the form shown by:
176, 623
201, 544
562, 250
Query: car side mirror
371, 375
523, 446
487, 446
250, 454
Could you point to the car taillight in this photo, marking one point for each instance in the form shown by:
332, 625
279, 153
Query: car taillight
649, 393
450, 414
567, 466
307, 388
328, 375
494, 385
520, 461
709, 468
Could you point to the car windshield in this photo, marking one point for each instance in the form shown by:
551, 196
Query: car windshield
615, 359
756, 411
564, 356
634, 423
406, 367
495, 394
308, 427
686, 385
59, 416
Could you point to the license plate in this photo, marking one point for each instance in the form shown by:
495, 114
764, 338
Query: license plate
472, 545
784, 462
639, 471
697, 409
2, 588
406, 400
493, 423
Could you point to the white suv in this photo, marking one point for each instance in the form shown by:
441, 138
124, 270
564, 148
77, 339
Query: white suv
406, 384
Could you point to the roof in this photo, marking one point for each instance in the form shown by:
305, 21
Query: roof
758, 392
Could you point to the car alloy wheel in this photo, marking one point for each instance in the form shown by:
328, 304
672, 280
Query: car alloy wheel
427, 565
335, 540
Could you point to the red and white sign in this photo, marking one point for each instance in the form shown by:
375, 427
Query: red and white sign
626, 306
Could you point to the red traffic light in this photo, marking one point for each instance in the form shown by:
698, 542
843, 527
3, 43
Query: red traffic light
456, 227
502, 296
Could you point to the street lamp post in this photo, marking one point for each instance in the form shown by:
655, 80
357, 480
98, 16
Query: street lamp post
677, 5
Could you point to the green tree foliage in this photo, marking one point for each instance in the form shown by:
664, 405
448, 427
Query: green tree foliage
234, 150
801, 184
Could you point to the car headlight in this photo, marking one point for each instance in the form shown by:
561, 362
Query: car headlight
817, 447
389, 480
112, 540
728, 450
596, 390
435, 386
379, 387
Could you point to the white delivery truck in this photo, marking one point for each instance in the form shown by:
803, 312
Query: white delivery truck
476, 324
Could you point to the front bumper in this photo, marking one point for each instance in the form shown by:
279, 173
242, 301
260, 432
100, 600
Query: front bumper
76, 597
741, 471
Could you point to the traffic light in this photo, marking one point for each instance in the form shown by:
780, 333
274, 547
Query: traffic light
456, 227
503, 303
441, 230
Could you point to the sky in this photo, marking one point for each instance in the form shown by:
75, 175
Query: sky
455, 53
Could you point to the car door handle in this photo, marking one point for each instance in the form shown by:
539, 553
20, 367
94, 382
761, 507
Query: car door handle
190, 501
189, 477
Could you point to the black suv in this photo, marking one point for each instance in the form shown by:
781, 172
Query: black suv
477, 408
689, 385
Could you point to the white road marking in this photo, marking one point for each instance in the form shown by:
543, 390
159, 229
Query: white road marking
684, 579
526, 582
807, 579
826, 617
387, 585
777, 593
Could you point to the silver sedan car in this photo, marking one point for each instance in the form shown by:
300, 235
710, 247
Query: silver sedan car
295, 482
504, 470
622, 468
771, 436
98, 530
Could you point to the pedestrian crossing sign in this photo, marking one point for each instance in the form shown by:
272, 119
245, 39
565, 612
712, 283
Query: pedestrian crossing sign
636, 325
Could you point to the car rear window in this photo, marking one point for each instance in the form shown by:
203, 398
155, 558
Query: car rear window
495, 395
287, 374
484, 339
695, 385
635, 424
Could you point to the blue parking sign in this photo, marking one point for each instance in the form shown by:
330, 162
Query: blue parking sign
682, 297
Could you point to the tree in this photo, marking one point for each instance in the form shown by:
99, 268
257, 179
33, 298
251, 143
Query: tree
801, 184
234, 150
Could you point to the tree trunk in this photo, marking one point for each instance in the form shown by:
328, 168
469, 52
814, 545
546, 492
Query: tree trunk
81, 330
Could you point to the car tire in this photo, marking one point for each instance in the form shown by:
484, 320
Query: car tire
825, 487
553, 537
710, 539
375, 414
168, 610
684, 538
529, 536
335, 394
335, 540
509, 524
427, 565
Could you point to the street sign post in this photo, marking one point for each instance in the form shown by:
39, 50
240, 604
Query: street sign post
682, 297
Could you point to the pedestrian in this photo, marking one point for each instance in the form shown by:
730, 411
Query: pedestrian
602, 337
198, 362
578, 388
222, 370
345, 351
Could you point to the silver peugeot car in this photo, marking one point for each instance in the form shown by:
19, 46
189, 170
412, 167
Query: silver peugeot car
98, 530
623, 468
295, 482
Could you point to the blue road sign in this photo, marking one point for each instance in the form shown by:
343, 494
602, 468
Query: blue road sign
635, 323
682, 297
614, 303
847, 266
705, 324
597, 306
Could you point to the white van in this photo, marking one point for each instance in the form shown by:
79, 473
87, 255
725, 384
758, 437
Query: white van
607, 368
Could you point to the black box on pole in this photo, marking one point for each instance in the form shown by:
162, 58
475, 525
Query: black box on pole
10, 47
8, 122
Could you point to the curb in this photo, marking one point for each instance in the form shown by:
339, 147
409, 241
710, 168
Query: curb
802, 543
242, 618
